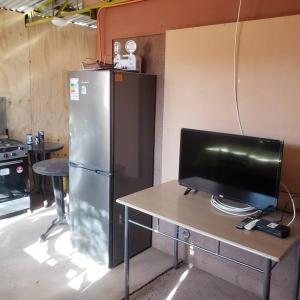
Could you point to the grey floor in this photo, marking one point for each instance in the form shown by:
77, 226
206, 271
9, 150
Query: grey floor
55, 270
190, 283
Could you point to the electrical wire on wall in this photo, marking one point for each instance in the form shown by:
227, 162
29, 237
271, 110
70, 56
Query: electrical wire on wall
218, 203
235, 87
235, 66
100, 29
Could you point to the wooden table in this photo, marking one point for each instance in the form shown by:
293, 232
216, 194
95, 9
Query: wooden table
195, 213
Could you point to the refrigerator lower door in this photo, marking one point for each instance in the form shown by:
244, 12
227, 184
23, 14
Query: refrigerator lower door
90, 213
139, 238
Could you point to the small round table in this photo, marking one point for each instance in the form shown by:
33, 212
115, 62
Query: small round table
43, 149
40, 152
56, 168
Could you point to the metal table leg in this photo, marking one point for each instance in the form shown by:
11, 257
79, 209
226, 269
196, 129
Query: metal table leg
176, 235
296, 291
267, 280
126, 254
57, 182
60, 206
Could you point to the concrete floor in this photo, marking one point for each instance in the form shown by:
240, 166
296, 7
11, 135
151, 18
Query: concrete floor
190, 283
55, 270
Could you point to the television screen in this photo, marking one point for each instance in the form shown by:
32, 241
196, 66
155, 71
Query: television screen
241, 168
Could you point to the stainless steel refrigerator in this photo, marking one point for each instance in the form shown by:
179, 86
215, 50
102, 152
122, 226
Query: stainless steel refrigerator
112, 120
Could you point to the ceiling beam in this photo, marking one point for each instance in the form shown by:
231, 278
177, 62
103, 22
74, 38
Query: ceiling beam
35, 17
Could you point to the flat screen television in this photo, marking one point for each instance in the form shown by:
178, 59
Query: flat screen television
240, 168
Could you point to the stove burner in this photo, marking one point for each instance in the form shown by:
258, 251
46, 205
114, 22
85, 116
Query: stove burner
9, 143
11, 149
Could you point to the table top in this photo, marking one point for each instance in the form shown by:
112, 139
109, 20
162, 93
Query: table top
52, 167
194, 212
45, 147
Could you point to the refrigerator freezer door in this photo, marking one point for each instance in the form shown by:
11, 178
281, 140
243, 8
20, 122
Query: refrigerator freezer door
90, 117
134, 122
90, 213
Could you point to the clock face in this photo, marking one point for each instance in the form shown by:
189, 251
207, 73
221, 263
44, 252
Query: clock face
117, 48
130, 46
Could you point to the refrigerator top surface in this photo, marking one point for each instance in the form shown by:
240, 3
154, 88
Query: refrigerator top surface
111, 71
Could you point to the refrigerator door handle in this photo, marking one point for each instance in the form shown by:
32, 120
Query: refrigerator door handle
76, 165
103, 173
98, 171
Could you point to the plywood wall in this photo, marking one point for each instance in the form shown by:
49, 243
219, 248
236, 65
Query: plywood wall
33, 74
14, 72
53, 52
199, 94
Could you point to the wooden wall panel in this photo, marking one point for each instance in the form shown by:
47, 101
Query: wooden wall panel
14, 72
33, 74
54, 51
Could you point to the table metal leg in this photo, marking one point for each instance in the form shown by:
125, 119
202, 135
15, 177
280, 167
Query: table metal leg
176, 235
68, 200
267, 279
57, 182
126, 254
297, 279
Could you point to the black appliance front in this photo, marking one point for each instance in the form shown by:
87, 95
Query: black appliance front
13, 186
133, 156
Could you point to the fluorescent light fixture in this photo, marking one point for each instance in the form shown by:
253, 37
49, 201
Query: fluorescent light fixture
59, 22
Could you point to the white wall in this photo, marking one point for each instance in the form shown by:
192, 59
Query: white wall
199, 94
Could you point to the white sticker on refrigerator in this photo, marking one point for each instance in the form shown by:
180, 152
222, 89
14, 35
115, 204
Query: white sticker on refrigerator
74, 89
83, 90
4, 172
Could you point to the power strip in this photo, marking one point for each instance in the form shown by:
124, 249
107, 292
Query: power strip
273, 228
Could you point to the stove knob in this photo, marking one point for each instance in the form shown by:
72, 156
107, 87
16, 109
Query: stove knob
13, 154
5, 155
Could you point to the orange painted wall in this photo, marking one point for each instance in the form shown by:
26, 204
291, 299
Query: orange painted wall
156, 16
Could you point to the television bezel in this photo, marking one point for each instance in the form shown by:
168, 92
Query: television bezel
230, 197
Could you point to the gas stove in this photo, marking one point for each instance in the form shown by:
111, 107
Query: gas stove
12, 149
14, 178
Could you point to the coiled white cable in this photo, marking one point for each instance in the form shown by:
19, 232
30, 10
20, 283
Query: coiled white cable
231, 210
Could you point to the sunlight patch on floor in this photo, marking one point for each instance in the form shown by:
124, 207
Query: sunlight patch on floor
91, 272
63, 244
42, 212
51, 262
6, 222
38, 251
179, 282
35, 216
84, 272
